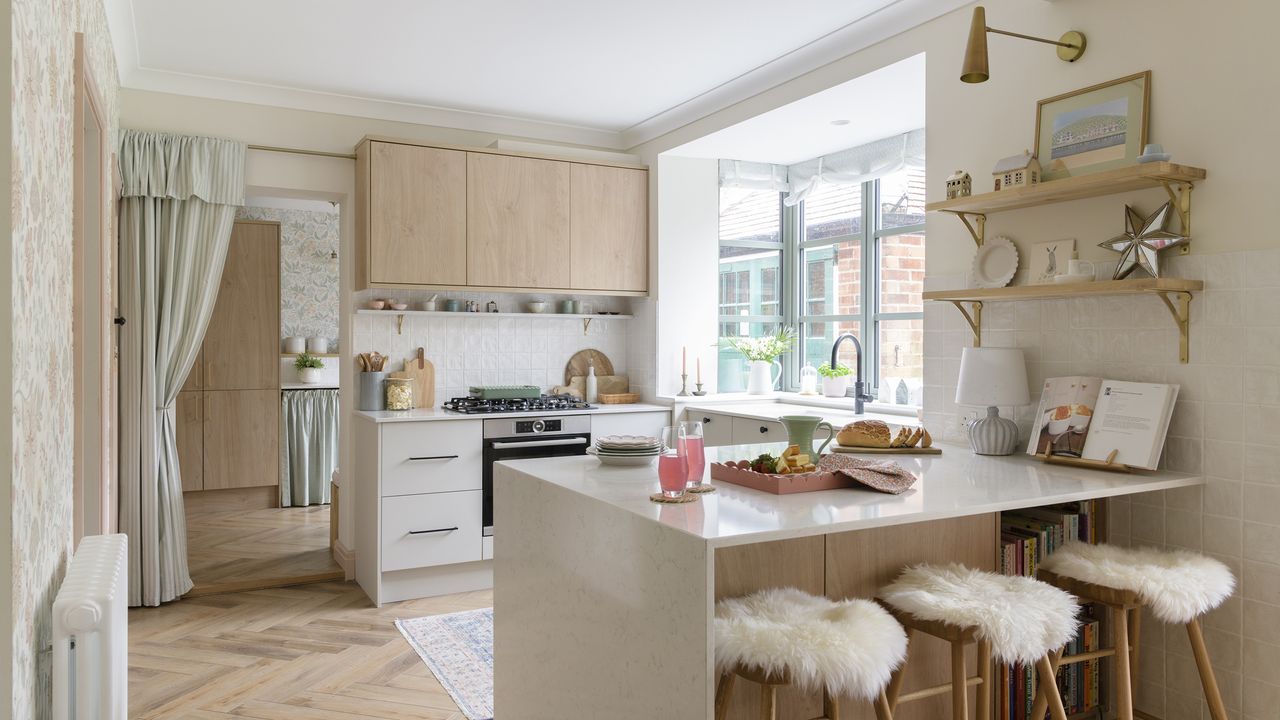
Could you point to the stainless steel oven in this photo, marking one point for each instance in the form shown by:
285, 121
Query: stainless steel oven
518, 438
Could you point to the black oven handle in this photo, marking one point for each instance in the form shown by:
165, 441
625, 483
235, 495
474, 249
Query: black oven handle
435, 457
503, 445
430, 532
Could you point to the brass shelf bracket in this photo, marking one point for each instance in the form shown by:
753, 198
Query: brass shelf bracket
1180, 308
1180, 197
400, 324
979, 220
586, 323
973, 316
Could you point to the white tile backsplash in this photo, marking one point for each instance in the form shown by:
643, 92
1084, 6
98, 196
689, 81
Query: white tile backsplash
1224, 427
475, 350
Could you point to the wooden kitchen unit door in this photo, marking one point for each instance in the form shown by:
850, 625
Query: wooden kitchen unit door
241, 348
417, 215
609, 228
517, 222
189, 437
242, 438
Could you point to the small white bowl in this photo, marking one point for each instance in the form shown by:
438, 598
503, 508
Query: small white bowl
376, 304
399, 306
535, 306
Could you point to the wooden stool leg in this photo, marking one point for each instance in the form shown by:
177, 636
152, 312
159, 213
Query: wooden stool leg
984, 674
959, 686
768, 702
724, 691
1217, 710
1135, 636
830, 706
1042, 700
1123, 676
1048, 689
883, 711
895, 680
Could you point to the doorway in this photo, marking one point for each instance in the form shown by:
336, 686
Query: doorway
256, 516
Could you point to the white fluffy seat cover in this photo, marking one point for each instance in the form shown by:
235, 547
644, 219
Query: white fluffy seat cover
1023, 619
848, 647
1177, 585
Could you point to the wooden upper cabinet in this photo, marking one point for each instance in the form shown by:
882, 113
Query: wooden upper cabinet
417, 215
517, 222
241, 348
609, 228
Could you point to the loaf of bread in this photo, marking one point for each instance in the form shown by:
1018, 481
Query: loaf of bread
865, 433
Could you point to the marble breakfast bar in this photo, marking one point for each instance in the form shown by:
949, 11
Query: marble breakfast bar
603, 601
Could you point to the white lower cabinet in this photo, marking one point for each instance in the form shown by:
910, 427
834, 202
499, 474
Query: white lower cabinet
717, 429
631, 423
426, 530
747, 431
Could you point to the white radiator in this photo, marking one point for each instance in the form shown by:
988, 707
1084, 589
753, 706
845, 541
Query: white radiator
91, 633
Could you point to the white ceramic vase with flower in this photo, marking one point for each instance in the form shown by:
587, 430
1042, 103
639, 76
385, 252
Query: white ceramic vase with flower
762, 357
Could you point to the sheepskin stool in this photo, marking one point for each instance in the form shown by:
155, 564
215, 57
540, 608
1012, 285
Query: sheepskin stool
1177, 585
783, 636
1015, 619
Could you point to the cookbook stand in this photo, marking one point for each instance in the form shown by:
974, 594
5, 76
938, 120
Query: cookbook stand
1109, 464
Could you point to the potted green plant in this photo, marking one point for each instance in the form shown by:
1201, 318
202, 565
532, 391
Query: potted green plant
309, 367
835, 380
762, 357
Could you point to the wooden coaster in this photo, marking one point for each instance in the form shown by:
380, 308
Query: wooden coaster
702, 488
663, 499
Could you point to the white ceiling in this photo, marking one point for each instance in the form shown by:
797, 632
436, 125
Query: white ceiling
888, 101
610, 74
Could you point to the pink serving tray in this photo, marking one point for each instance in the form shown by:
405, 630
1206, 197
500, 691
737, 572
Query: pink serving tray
781, 484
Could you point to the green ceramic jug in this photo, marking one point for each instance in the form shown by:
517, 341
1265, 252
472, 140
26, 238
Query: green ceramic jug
800, 432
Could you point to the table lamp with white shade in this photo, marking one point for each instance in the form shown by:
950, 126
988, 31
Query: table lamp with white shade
991, 377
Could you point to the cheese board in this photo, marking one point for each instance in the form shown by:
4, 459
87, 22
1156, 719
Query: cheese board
781, 484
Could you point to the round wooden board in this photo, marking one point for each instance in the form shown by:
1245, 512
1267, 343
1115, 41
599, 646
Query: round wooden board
578, 364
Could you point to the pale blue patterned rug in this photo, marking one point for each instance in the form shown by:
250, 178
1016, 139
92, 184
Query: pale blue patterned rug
458, 649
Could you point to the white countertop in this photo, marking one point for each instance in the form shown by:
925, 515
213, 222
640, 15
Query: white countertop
425, 414
765, 410
954, 484
308, 386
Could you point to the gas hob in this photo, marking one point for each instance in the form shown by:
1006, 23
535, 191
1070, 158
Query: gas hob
543, 404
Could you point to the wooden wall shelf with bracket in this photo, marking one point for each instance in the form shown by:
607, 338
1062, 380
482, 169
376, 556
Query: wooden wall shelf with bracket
1177, 180
1174, 292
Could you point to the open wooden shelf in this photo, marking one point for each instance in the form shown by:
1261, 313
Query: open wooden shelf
1139, 286
1174, 292
399, 316
1109, 182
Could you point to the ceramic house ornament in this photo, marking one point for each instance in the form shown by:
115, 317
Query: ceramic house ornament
959, 185
1016, 171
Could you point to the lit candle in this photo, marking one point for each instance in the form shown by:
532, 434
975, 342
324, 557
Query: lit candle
684, 361
699, 371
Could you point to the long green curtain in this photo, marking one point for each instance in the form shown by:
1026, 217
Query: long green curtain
176, 212
309, 431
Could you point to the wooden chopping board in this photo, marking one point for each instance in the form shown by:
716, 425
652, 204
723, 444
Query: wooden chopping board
423, 374
581, 359
933, 450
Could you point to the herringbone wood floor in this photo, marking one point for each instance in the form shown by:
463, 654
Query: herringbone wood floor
310, 652
237, 549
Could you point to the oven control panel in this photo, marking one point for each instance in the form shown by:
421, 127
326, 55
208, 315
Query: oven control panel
537, 426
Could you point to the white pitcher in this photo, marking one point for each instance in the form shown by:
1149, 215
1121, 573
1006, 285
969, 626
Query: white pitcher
760, 379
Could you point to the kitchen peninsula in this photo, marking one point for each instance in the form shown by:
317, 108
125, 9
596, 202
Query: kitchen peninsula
604, 601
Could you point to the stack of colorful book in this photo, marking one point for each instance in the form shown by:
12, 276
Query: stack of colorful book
1027, 538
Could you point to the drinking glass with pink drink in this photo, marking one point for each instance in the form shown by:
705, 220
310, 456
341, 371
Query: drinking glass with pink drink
673, 465
694, 450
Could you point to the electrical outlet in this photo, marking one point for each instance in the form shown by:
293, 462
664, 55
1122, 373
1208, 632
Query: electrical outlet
965, 419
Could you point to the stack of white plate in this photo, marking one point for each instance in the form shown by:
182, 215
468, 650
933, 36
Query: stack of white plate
626, 449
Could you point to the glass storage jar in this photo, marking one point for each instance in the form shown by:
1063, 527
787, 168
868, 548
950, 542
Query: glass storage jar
808, 380
399, 394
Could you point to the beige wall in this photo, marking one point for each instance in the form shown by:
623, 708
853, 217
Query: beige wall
40, 272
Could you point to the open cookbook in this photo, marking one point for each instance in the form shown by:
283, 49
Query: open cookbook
1089, 417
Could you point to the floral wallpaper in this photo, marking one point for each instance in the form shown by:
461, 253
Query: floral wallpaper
308, 275
42, 106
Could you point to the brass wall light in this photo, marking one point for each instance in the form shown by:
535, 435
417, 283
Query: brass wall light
1070, 47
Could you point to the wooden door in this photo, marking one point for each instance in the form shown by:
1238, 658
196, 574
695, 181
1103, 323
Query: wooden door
517, 222
242, 346
609, 228
195, 378
417, 215
189, 436
241, 438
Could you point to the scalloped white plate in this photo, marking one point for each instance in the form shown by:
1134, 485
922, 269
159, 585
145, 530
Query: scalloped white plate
995, 263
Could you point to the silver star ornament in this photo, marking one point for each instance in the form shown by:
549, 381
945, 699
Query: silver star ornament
1142, 241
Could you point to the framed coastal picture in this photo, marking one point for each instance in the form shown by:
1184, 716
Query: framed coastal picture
1048, 260
1097, 128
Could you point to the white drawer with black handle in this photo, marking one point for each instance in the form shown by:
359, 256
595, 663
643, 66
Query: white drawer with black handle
748, 431
426, 530
431, 457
